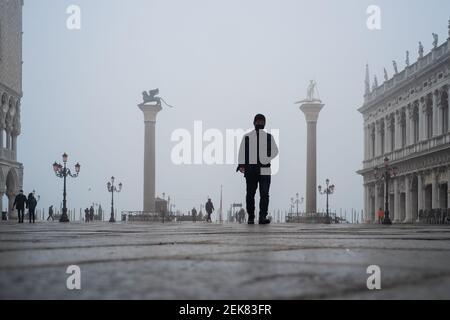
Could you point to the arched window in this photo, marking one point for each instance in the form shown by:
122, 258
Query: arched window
403, 128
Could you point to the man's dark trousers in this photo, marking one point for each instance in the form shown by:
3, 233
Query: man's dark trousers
21, 213
32, 215
253, 180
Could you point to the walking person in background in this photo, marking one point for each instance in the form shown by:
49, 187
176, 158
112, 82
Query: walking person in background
86, 215
50, 213
380, 215
209, 207
194, 214
31, 206
19, 204
91, 213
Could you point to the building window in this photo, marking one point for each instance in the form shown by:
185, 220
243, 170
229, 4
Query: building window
382, 140
416, 124
393, 135
444, 101
372, 143
430, 124
403, 127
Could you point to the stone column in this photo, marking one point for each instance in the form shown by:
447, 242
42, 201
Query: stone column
150, 113
422, 120
407, 126
435, 191
366, 203
420, 195
377, 201
311, 111
366, 142
408, 200
396, 214
2, 132
2, 193
448, 105
398, 130
448, 187
387, 135
12, 213
436, 122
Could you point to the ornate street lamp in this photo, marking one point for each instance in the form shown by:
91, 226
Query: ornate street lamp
112, 188
385, 174
296, 202
64, 172
327, 191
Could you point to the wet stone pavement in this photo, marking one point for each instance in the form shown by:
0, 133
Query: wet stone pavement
202, 261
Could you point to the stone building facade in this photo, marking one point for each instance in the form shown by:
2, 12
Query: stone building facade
407, 120
11, 171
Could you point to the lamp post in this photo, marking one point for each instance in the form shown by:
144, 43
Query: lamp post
385, 174
112, 188
327, 191
296, 202
64, 172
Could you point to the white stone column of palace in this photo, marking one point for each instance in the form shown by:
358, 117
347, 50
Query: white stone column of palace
420, 194
396, 213
377, 201
422, 124
408, 199
150, 113
435, 190
311, 111
436, 122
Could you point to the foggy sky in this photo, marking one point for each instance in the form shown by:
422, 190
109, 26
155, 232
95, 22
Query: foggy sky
220, 62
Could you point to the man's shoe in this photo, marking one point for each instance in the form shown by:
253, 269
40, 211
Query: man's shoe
251, 221
264, 221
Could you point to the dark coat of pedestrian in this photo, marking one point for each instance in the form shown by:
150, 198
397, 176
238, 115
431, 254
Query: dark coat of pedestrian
86, 215
257, 149
209, 207
31, 206
91, 213
19, 203
50, 213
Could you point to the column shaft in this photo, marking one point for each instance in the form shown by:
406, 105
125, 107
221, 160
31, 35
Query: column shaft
408, 200
396, 214
435, 192
149, 167
311, 170
420, 194
436, 122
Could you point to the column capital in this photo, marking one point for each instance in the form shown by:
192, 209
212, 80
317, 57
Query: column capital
311, 110
150, 111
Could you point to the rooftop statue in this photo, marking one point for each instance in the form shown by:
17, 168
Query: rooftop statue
435, 40
407, 59
394, 63
386, 77
420, 50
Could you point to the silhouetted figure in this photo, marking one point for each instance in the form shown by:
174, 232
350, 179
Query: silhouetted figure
241, 215
86, 215
91, 213
50, 213
209, 207
380, 214
257, 149
19, 203
194, 214
31, 206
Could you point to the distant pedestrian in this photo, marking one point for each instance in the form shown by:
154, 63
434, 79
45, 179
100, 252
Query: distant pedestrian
50, 213
380, 215
86, 215
19, 204
91, 213
209, 207
31, 206
194, 214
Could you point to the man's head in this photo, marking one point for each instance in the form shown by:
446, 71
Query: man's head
21, 191
259, 122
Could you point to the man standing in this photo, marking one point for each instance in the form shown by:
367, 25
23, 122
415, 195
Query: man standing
257, 149
209, 207
19, 204
31, 206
